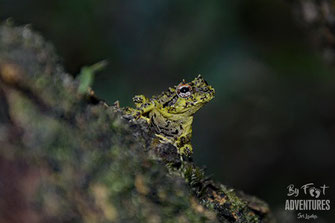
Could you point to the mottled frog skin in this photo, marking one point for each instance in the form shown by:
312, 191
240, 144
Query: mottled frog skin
170, 114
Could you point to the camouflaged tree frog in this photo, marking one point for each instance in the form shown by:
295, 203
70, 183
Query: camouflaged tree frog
170, 114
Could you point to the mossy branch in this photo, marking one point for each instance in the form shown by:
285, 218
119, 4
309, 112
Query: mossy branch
68, 157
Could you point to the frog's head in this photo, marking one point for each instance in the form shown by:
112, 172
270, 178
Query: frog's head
189, 97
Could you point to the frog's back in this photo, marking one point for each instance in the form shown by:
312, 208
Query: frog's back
170, 114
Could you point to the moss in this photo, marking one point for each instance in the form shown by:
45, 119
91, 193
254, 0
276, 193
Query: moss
82, 161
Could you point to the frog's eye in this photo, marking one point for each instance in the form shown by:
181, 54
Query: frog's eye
184, 90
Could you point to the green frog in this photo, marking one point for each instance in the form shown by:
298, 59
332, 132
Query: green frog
170, 114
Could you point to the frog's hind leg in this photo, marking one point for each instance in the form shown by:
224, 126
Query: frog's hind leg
140, 100
143, 106
132, 112
164, 139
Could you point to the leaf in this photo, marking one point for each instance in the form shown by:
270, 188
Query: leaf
86, 75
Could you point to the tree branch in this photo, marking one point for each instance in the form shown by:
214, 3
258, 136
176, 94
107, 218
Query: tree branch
66, 156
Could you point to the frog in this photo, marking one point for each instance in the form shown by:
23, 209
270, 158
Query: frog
170, 114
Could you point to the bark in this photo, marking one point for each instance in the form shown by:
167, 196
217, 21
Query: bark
69, 157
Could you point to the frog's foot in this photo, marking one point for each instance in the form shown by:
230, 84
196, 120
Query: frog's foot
185, 150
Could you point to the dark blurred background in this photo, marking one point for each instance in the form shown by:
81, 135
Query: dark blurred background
272, 122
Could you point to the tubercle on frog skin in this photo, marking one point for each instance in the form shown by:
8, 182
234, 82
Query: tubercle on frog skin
171, 113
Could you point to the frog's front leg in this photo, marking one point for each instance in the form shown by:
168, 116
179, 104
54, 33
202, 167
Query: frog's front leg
183, 145
163, 139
